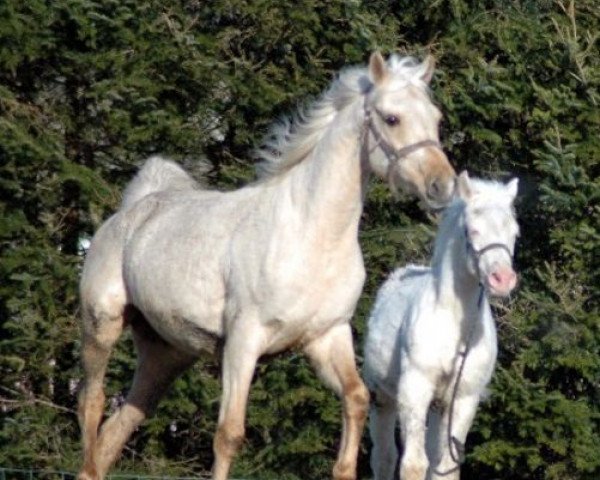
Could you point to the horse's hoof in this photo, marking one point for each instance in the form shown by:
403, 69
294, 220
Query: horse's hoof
344, 473
88, 475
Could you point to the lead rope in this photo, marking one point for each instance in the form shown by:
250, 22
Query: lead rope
455, 446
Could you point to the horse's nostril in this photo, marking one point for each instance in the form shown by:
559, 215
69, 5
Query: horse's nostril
433, 190
439, 190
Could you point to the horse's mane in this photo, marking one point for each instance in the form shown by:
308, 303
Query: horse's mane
292, 139
452, 225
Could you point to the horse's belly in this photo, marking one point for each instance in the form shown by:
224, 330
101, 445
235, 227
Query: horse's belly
182, 303
172, 270
186, 334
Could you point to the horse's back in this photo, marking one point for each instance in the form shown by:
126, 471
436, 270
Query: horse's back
157, 175
396, 296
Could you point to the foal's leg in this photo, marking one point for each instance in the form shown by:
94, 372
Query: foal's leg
447, 467
158, 364
102, 324
240, 353
382, 426
436, 435
332, 355
415, 395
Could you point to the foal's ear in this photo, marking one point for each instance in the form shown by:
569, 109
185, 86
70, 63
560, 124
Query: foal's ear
512, 187
463, 186
429, 67
378, 70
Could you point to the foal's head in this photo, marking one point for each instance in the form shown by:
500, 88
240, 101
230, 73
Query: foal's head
403, 123
491, 230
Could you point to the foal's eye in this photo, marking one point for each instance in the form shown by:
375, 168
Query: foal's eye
392, 120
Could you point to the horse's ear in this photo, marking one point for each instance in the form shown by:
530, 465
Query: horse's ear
378, 71
512, 187
463, 186
429, 64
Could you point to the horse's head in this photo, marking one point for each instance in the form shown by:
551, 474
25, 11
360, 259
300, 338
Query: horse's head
401, 130
491, 230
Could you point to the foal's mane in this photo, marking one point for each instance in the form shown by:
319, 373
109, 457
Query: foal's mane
292, 139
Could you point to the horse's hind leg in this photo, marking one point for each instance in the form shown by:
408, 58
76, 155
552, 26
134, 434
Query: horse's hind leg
102, 325
332, 355
158, 364
382, 427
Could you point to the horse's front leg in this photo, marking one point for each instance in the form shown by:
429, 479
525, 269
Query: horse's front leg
447, 451
415, 393
332, 356
240, 354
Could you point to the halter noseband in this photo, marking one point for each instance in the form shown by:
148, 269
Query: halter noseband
491, 246
392, 153
477, 254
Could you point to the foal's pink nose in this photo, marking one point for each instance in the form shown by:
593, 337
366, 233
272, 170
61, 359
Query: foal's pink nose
502, 280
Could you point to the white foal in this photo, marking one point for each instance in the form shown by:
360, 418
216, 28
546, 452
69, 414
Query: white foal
431, 344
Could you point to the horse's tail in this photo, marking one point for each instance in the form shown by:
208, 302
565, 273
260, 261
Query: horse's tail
156, 175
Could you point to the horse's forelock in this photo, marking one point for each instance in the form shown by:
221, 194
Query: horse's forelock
490, 192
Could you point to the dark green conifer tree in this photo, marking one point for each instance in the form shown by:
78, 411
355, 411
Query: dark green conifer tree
88, 89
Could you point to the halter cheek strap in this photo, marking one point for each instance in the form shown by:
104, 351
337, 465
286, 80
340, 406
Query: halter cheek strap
392, 153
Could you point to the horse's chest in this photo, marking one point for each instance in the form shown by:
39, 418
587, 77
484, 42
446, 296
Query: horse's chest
304, 277
470, 368
310, 303
439, 347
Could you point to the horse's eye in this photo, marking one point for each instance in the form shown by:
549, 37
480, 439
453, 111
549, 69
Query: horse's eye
392, 120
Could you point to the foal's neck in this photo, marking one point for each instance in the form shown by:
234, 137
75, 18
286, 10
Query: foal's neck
456, 285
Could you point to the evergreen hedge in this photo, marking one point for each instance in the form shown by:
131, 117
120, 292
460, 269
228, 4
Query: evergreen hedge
90, 88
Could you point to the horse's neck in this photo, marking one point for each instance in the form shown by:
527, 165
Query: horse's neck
457, 287
328, 186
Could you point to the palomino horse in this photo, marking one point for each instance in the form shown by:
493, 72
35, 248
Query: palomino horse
259, 270
431, 343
